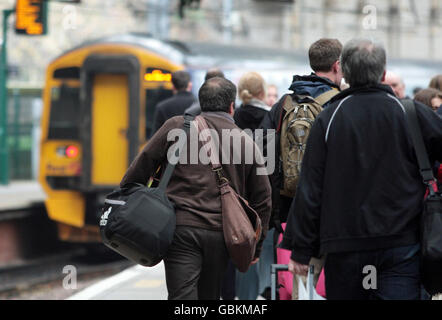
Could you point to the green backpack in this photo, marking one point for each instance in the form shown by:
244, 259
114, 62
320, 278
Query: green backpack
296, 124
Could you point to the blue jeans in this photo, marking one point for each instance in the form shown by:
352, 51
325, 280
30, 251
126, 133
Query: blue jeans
387, 274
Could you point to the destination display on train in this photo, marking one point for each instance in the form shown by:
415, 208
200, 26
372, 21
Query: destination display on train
157, 75
30, 17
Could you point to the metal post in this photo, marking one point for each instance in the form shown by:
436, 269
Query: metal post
158, 18
15, 167
4, 155
152, 17
227, 21
298, 7
164, 19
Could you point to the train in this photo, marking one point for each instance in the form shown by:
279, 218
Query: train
99, 102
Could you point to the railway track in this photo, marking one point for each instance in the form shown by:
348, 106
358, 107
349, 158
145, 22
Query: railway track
51, 268
31, 254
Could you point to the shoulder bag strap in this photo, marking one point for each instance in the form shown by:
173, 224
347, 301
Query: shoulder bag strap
171, 166
418, 142
203, 129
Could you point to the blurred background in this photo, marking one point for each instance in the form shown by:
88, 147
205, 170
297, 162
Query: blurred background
410, 29
46, 158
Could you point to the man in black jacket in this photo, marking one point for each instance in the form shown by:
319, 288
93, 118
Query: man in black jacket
175, 106
360, 193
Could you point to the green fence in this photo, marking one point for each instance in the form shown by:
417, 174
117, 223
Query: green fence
24, 110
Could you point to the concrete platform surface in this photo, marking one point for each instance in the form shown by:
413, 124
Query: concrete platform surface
20, 194
135, 283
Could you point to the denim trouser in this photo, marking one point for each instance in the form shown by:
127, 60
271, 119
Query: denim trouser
368, 275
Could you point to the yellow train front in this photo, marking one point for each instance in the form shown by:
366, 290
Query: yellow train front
99, 103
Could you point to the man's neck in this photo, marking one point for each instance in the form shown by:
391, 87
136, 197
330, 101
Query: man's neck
327, 75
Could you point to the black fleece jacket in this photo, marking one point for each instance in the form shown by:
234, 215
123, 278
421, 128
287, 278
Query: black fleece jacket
360, 187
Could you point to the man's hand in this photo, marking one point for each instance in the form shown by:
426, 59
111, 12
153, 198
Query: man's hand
297, 268
255, 261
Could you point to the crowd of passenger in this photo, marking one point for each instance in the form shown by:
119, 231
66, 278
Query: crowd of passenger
359, 194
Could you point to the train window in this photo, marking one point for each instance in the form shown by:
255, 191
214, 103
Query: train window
65, 116
153, 97
67, 73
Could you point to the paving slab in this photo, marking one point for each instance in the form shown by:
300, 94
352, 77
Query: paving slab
135, 283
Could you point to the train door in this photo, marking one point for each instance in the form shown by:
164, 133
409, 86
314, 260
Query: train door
110, 121
110, 111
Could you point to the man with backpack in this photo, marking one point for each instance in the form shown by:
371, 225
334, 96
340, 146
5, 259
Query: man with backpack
310, 94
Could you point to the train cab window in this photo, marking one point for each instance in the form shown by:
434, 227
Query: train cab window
153, 97
65, 116
67, 73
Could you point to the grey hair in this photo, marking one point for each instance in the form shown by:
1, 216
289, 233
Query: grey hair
363, 62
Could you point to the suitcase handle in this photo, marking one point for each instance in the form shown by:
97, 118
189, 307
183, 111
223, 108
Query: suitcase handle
275, 268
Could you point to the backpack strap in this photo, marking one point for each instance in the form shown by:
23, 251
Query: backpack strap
281, 115
326, 96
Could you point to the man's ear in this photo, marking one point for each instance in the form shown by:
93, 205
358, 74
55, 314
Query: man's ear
383, 76
189, 86
232, 108
336, 66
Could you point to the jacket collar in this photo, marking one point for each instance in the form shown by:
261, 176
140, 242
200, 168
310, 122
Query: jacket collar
313, 78
259, 104
363, 89
219, 114
183, 93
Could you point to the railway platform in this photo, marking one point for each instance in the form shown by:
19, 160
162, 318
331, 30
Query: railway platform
134, 283
20, 194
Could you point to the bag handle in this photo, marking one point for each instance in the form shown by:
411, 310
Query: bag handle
171, 166
419, 146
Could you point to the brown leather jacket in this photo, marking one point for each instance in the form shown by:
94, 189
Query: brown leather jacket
193, 187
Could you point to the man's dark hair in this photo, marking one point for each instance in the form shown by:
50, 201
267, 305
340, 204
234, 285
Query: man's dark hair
324, 53
180, 80
217, 94
212, 73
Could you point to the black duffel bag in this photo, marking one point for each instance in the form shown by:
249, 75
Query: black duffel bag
139, 222
431, 223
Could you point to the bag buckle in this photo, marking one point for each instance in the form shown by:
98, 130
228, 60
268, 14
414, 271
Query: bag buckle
219, 174
432, 187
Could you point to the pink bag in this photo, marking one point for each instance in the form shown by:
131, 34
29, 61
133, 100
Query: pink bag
285, 278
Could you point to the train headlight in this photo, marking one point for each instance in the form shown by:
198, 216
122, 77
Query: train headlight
72, 152
68, 151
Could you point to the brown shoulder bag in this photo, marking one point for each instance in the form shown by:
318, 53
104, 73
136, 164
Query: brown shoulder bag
241, 224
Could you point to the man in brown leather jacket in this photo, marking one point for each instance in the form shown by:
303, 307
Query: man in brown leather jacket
197, 258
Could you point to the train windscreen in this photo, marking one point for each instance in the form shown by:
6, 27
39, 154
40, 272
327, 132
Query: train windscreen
65, 114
